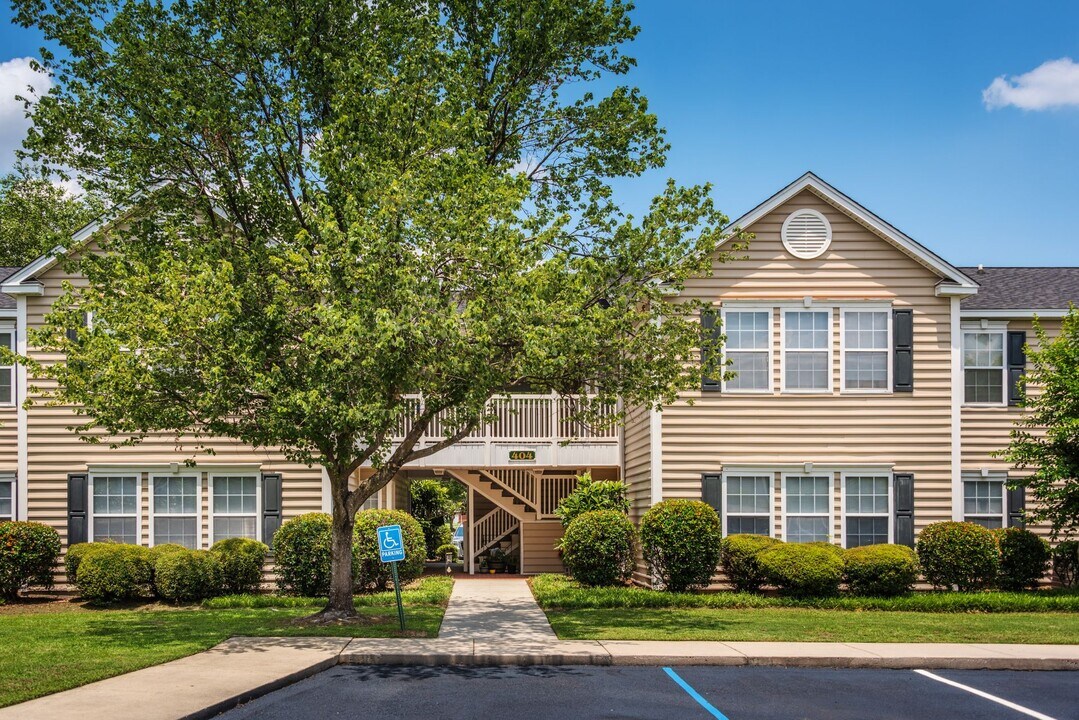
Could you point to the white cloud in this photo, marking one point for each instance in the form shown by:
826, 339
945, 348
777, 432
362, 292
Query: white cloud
1053, 84
15, 76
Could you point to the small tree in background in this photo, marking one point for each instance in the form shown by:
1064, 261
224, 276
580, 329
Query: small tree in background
1046, 437
433, 506
37, 216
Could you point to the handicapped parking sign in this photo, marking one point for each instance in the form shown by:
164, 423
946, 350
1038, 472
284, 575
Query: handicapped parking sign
391, 546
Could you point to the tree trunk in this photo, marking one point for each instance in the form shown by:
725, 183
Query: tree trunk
340, 604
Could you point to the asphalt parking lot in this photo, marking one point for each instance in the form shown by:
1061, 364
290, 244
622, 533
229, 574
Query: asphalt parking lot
735, 693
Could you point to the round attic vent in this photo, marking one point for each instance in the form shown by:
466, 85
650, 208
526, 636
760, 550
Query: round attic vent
806, 234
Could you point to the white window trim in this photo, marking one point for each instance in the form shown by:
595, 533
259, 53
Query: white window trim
759, 472
982, 476
10, 478
843, 502
830, 309
91, 514
234, 472
985, 327
783, 514
771, 347
179, 472
9, 326
889, 351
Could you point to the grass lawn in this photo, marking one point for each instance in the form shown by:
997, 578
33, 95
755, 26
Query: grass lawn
634, 613
60, 645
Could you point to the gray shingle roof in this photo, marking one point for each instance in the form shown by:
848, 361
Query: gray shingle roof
6, 301
1023, 288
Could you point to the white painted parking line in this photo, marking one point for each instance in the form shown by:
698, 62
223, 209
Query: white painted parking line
987, 696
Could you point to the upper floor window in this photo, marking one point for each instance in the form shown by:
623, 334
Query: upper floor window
807, 343
983, 367
865, 350
116, 508
7, 372
748, 347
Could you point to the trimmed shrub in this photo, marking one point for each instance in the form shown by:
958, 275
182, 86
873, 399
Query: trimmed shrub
76, 553
115, 571
162, 550
1066, 563
589, 496
1024, 558
880, 570
447, 549
680, 540
28, 551
738, 555
187, 576
241, 562
599, 548
301, 548
959, 554
802, 569
370, 573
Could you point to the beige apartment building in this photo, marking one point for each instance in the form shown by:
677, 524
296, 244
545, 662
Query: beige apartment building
873, 382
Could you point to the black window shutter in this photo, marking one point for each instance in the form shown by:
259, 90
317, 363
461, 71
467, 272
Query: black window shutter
712, 491
73, 333
903, 502
903, 351
1017, 502
1017, 363
271, 506
78, 485
711, 370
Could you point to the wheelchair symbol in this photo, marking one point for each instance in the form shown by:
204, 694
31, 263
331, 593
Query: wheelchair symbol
389, 542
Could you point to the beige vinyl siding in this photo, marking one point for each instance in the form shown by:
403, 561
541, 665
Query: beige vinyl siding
910, 431
9, 445
986, 430
538, 540
637, 455
54, 451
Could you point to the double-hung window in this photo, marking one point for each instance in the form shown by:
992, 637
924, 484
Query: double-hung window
7, 372
983, 367
749, 503
865, 350
983, 500
866, 510
176, 512
748, 348
235, 506
7, 496
116, 507
807, 342
808, 508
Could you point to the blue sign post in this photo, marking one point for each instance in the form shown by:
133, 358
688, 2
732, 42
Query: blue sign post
391, 549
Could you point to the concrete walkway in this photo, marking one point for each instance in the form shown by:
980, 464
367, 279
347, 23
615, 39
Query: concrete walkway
492, 610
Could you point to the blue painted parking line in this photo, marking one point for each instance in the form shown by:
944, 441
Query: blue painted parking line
695, 695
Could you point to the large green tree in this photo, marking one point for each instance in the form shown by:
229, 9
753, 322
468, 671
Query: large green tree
358, 204
1046, 437
37, 216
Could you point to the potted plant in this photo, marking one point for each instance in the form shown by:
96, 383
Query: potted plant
496, 560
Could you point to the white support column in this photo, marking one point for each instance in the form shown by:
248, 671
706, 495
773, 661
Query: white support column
656, 451
22, 481
957, 411
470, 541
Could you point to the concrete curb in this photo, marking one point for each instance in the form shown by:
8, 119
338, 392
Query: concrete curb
265, 689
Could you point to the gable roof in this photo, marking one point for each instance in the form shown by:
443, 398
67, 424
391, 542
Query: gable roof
1023, 288
956, 281
6, 301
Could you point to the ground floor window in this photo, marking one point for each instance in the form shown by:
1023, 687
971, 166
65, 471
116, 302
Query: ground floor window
748, 503
235, 506
176, 512
116, 508
807, 507
983, 500
866, 510
7, 498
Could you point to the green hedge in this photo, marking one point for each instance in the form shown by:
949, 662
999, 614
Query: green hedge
370, 572
960, 554
738, 555
803, 569
590, 496
600, 548
241, 561
187, 576
114, 571
1066, 563
448, 549
301, 548
1024, 558
28, 552
680, 540
880, 570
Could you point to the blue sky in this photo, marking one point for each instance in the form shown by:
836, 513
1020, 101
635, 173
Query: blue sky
883, 100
